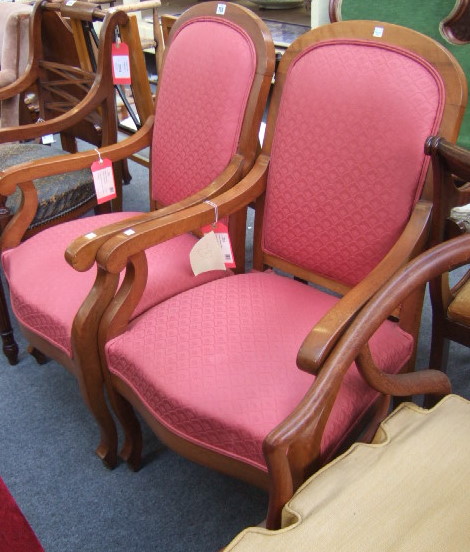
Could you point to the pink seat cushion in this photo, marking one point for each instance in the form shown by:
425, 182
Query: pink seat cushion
217, 364
46, 292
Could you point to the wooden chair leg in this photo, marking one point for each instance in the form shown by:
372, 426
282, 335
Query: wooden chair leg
131, 451
10, 347
40, 357
439, 354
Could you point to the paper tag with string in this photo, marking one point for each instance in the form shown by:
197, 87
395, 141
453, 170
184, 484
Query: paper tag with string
47, 138
214, 250
103, 179
121, 64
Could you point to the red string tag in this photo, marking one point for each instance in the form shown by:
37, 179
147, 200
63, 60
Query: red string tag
103, 178
121, 64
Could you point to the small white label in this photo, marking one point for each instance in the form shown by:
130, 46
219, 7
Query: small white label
206, 255
221, 9
378, 32
129, 232
90, 236
122, 69
70, 2
48, 139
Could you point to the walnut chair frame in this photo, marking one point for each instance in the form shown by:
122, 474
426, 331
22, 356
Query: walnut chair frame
449, 161
83, 361
287, 464
75, 99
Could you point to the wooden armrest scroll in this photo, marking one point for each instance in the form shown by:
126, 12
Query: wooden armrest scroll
114, 254
81, 253
319, 342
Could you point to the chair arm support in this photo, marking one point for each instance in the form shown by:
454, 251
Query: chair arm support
81, 253
23, 174
114, 254
319, 342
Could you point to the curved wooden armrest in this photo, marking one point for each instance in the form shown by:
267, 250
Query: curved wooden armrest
321, 339
19, 85
138, 6
95, 97
21, 176
456, 158
401, 385
81, 253
12, 177
113, 254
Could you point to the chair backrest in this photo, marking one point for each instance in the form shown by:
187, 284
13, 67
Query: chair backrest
200, 106
443, 20
14, 40
346, 146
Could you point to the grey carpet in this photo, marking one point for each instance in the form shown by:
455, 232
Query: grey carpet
74, 504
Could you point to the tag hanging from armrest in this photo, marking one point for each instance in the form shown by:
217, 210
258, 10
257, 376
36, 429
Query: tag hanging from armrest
103, 178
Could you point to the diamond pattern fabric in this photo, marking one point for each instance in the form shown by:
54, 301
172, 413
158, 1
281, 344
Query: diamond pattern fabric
203, 104
347, 162
48, 305
217, 364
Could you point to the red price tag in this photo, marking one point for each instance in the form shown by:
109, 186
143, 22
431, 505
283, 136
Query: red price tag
121, 64
103, 178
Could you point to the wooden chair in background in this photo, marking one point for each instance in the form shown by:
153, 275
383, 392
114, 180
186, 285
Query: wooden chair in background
450, 302
74, 99
225, 373
14, 47
210, 100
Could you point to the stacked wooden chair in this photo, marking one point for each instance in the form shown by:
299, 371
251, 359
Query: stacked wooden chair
232, 373
203, 138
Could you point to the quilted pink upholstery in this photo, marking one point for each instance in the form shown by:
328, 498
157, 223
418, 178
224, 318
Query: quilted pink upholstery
347, 159
226, 377
48, 305
200, 106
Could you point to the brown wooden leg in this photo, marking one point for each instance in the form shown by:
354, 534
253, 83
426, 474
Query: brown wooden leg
131, 451
10, 347
40, 357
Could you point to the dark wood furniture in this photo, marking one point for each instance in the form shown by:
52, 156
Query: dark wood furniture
450, 302
231, 373
211, 97
75, 96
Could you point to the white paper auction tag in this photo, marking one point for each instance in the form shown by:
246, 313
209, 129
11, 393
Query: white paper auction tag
103, 178
206, 255
221, 233
121, 64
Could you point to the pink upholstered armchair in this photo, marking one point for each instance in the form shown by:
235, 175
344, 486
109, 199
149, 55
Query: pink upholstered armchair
226, 372
212, 90
14, 49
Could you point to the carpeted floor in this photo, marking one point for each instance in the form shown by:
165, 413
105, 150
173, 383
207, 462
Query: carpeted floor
74, 504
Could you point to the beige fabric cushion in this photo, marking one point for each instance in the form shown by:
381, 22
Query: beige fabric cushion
409, 491
459, 309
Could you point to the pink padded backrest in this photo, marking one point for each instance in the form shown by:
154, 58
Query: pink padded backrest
347, 161
202, 96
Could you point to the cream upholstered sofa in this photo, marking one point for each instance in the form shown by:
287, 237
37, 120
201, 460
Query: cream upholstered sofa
407, 491
14, 50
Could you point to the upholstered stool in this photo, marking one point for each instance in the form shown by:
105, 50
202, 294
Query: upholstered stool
57, 195
409, 490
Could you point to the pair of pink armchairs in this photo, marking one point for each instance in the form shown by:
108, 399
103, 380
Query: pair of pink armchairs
228, 368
